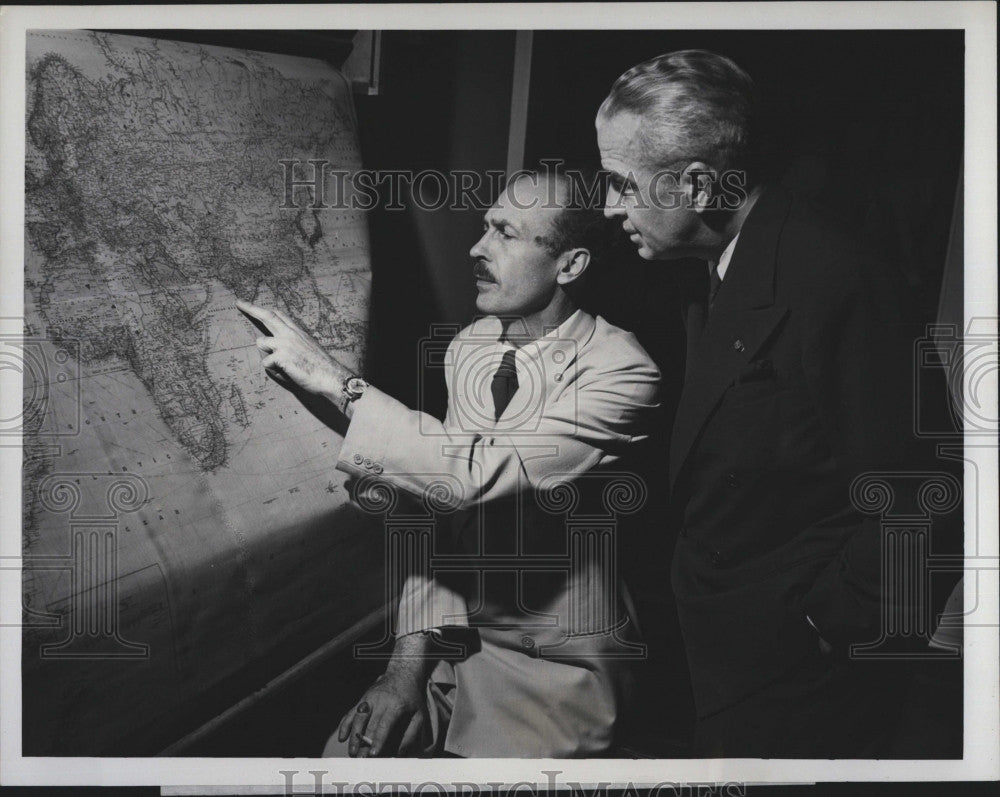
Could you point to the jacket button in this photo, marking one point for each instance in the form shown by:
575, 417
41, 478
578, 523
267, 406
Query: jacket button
368, 463
377, 468
715, 558
732, 479
738, 345
527, 642
358, 459
684, 533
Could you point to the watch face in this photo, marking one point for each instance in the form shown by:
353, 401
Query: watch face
356, 385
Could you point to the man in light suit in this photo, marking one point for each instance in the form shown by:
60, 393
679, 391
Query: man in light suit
540, 395
796, 383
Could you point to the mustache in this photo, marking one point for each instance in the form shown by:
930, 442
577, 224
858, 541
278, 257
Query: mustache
481, 272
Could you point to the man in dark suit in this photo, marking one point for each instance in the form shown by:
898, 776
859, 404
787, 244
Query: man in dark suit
796, 383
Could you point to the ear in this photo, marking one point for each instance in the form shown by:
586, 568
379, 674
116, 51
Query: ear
700, 179
572, 264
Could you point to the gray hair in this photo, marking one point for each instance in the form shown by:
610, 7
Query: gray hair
702, 103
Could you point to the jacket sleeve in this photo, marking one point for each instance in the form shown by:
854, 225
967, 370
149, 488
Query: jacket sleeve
459, 468
592, 421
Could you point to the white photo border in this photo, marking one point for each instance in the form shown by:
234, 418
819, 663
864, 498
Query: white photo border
982, 652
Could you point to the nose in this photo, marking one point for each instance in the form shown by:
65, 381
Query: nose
613, 203
478, 249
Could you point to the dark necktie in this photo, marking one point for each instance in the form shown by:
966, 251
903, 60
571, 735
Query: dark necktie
714, 281
504, 384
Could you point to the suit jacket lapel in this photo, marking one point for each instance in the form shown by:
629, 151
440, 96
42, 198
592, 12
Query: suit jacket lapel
742, 318
559, 354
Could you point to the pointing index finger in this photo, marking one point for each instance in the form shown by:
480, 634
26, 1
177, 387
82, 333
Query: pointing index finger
261, 316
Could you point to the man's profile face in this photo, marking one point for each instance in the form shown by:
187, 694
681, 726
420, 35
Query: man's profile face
515, 272
649, 203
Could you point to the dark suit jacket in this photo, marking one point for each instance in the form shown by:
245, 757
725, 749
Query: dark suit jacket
798, 382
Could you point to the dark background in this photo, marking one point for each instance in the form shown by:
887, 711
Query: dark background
870, 123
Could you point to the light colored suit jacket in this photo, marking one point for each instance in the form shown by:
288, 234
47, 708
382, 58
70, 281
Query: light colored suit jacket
547, 670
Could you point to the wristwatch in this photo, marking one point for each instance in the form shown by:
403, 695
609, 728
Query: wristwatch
354, 388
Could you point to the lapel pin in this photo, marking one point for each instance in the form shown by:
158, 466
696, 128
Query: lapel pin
738, 344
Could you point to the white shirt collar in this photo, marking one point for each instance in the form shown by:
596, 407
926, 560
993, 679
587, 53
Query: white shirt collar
724, 258
533, 350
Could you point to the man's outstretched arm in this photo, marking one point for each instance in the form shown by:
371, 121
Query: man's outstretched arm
591, 423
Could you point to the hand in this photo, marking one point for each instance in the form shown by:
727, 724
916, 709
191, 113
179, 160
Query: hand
292, 356
396, 707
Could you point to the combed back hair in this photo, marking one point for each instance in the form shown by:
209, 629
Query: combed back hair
702, 103
581, 224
